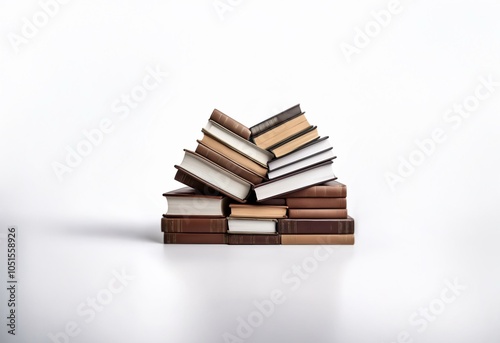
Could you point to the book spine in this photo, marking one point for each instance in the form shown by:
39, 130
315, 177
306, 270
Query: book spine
248, 239
312, 213
320, 191
230, 124
316, 226
194, 225
316, 203
194, 238
192, 182
275, 120
226, 163
317, 239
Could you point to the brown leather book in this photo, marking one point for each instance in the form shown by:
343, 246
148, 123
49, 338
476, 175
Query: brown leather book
230, 124
275, 120
317, 213
249, 239
194, 238
316, 202
316, 226
330, 189
347, 239
274, 201
228, 164
193, 224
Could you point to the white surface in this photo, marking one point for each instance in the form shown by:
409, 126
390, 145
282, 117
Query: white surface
437, 225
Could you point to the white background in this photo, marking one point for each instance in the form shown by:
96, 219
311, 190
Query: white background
437, 225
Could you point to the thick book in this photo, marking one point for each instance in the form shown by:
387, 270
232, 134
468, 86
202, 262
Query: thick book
282, 132
335, 213
193, 224
187, 201
235, 142
316, 226
318, 203
228, 164
258, 211
346, 239
251, 239
307, 150
281, 186
230, 124
214, 176
273, 201
233, 155
277, 119
304, 163
251, 225
330, 189
194, 238
294, 142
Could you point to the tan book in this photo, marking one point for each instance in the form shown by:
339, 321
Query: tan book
258, 211
282, 132
341, 239
295, 142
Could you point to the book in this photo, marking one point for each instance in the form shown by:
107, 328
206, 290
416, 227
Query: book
230, 124
282, 132
251, 225
228, 164
303, 163
294, 142
212, 175
307, 150
193, 224
316, 226
235, 142
336, 213
194, 238
257, 211
346, 239
318, 203
251, 239
273, 201
187, 201
281, 186
330, 189
233, 155
275, 120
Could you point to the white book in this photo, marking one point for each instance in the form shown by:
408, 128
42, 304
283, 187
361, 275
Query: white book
302, 163
315, 147
235, 142
251, 225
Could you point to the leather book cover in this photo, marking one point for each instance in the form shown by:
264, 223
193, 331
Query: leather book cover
194, 238
230, 124
228, 164
275, 120
191, 193
317, 213
316, 203
193, 224
194, 182
316, 226
253, 239
347, 239
330, 189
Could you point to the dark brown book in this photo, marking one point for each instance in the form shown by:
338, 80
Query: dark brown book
316, 202
316, 226
347, 239
249, 239
275, 120
228, 164
193, 224
230, 124
274, 201
187, 201
193, 182
330, 189
194, 238
317, 213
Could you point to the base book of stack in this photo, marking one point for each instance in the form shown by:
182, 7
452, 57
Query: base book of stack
272, 183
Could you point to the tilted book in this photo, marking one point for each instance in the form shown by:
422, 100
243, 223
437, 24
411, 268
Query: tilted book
230, 124
275, 120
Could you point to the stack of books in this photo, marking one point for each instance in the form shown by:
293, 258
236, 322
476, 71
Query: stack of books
274, 178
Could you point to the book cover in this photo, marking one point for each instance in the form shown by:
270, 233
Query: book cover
188, 201
316, 226
250, 239
275, 120
311, 203
347, 239
330, 189
230, 124
336, 213
193, 224
194, 238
